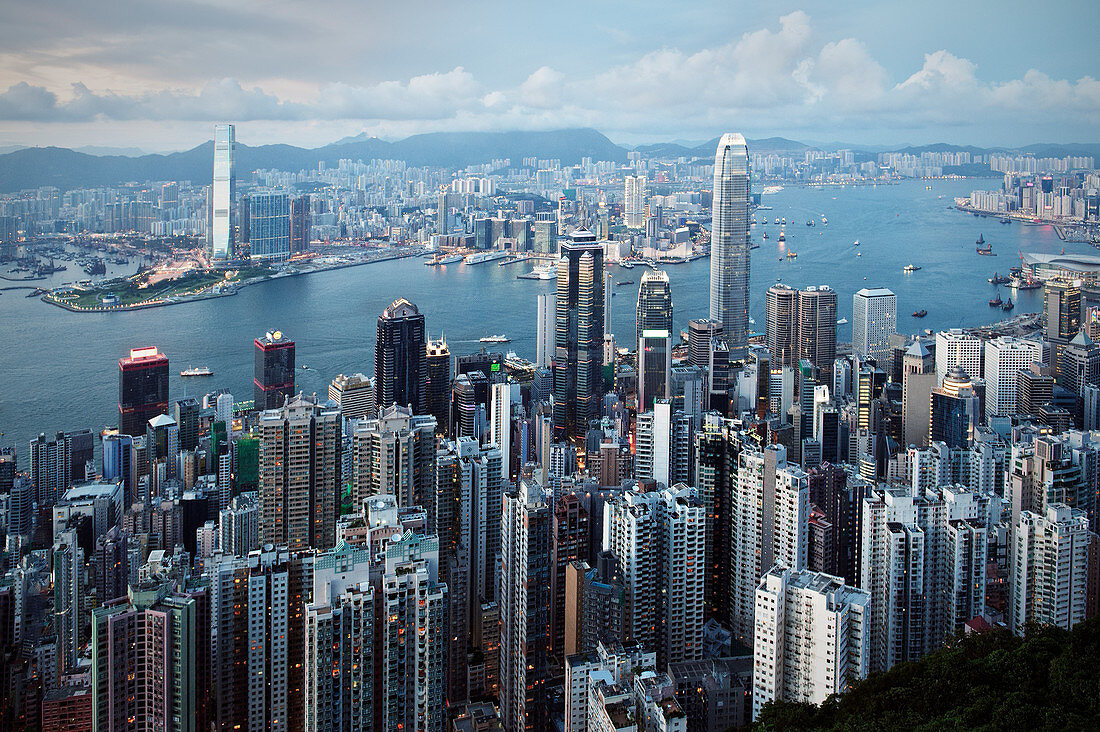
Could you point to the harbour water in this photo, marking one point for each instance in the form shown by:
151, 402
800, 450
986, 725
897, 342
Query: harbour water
58, 370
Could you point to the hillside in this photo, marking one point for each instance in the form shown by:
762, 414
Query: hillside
1049, 680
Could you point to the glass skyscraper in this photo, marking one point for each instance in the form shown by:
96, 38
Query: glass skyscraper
269, 225
219, 232
729, 242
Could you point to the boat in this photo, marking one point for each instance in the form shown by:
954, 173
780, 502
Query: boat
810, 223
303, 367
544, 271
776, 221
1024, 283
782, 236
1008, 305
625, 282
859, 254
495, 339
842, 321
765, 235
920, 313
997, 279
783, 220
792, 255
980, 240
910, 268
986, 250
626, 264
824, 220
855, 243
1006, 221
197, 371
490, 256
996, 302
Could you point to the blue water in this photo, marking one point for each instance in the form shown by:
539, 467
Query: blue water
58, 370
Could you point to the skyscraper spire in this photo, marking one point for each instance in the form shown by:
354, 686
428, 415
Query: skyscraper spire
729, 242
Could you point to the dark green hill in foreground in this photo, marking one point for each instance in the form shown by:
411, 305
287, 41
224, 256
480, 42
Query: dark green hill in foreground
1049, 680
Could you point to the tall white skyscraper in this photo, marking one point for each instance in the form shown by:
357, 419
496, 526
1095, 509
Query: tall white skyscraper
219, 232
501, 398
956, 348
1049, 568
544, 329
729, 242
634, 200
769, 516
812, 637
874, 320
1005, 358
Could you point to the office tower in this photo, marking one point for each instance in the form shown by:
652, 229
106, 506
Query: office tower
220, 242
569, 539
594, 604
954, 411
394, 454
816, 337
1034, 388
717, 447
659, 539
273, 370
729, 243
838, 498
299, 224
162, 450
1049, 568
239, 525
769, 514
544, 329
634, 200
524, 602
144, 666
874, 320
701, 333
300, 481
654, 307
578, 337
142, 389
470, 405
186, 412
917, 382
812, 637
924, 560
957, 348
1005, 358
67, 579
354, 395
781, 323
1061, 309
654, 366
437, 389
502, 395
1078, 367
269, 226
400, 374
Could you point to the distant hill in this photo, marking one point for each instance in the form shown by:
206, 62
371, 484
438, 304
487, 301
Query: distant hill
64, 168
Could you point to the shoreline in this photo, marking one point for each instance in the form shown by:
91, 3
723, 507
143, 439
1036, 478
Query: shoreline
234, 288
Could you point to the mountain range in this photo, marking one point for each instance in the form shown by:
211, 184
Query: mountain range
66, 169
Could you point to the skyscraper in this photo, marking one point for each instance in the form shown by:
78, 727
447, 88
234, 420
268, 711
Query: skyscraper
1049, 568
220, 226
273, 370
269, 226
354, 395
299, 224
393, 454
956, 348
437, 390
729, 242
654, 309
400, 373
953, 414
1061, 309
578, 337
1005, 358
781, 323
299, 479
544, 329
142, 389
654, 366
874, 320
634, 200
816, 340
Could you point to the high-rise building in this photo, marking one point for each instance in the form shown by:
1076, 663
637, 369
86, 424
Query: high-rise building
578, 337
144, 661
524, 602
299, 224
142, 389
781, 323
220, 240
569, 541
1005, 358
269, 226
400, 373
502, 395
354, 395
186, 412
273, 370
659, 539
544, 329
954, 412
1061, 309
437, 389
55, 465
729, 242
816, 339
634, 200
874, 320
917, 381
595, 604
654, 366
957, 348
812, 637
1049, 565
393, 454
299, 474
654, 308
701, 332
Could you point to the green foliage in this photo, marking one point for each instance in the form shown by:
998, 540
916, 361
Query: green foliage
1049, 679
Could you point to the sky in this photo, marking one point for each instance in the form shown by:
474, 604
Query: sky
156, 75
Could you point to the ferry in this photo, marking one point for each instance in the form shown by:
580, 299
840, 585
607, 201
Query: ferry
855, 243
624, 282
782, 236
445, 259
495, 339
791, 255
1024, 283
490, 256
910, 268
810, 223
842, 321
544, 271
920, 313
196, 371
824, 221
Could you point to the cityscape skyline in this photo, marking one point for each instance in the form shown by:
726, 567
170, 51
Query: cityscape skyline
828, 75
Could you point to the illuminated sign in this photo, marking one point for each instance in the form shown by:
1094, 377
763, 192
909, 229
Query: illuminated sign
494, 367
143, 352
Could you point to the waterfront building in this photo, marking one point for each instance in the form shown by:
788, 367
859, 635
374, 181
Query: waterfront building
299, 474
273, 370
812, 637
729, 242
354, 395
142, 389
300, 219
816, 339
269, 226
578, 337
1005, 358
220, 239
400, 373
874, 320
781, 323
1061, 309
